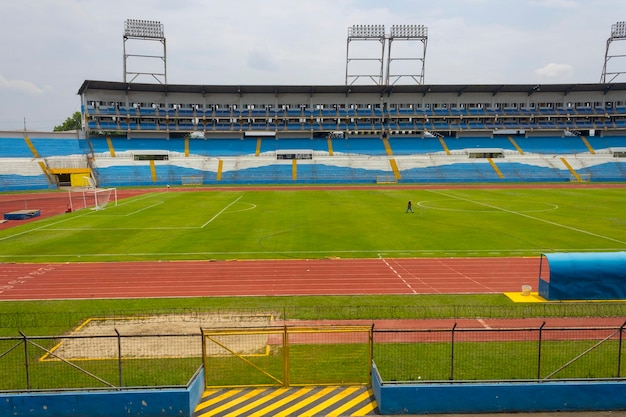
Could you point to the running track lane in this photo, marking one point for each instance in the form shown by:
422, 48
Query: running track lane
266, 278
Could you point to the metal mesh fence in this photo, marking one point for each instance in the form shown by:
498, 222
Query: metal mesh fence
499, 354
97, 361
242, 349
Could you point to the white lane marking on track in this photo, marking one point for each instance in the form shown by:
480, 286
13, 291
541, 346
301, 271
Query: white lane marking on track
483, 323
397, 274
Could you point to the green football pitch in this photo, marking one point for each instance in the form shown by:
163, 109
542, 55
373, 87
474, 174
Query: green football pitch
320, 223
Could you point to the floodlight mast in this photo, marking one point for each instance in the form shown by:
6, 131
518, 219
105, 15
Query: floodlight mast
413, 33
365, 33
144, 30
417, 34
618, 33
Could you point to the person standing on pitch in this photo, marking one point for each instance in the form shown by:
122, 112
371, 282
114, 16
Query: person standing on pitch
409, 207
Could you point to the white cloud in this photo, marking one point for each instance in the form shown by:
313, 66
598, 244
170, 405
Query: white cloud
553, 71
20, 86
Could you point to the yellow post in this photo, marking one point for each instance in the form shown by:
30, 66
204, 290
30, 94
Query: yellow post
153, 171
111, 148
387, 146
443, 145
394, 167
285, 357
495, 168
30, 145
220, 165
519, 150
294, 170
588, 145
571, 170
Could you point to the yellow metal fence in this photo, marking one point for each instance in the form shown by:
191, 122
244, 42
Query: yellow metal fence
287, 356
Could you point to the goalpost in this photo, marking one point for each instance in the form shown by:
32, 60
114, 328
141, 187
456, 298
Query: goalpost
91, 196
95, 199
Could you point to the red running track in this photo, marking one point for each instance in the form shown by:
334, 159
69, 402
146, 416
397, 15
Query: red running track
266, 278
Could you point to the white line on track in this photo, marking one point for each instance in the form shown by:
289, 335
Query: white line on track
397, 274
483, 323
530, 217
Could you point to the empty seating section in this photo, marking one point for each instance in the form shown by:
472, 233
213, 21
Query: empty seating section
458, 172
124, 145
222, 147
14, 148
408, 145
359, 145
552, 145
356, 158
273, 145
609, 171
59, 147
530, 172
271, 173
497, 142
22, 174
607, 142
337, 174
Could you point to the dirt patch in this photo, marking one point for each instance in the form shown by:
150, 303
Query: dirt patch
161, 336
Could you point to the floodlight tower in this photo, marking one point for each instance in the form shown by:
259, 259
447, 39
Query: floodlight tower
618, 33
144, 30
368, 33
417, 34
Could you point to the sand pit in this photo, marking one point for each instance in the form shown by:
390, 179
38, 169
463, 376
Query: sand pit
160, 336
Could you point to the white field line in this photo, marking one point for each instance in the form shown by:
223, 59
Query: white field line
143, 208
531, 217
220, 212
44, 227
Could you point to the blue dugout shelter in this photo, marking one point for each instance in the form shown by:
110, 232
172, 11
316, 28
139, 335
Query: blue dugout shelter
583, 276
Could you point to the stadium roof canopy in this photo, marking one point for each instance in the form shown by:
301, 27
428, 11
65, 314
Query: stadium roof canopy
459, 89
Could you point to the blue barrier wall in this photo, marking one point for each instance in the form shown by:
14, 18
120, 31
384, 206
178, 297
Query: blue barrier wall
584, 276
166, 402
501, 397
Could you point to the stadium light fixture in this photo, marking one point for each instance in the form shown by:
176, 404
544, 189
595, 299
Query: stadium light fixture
142, 32
366, 31
618, 30
408, 31
136, 28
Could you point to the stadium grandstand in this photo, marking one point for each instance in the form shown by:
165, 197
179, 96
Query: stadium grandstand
171, 134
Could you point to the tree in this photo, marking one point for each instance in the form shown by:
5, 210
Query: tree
74, 122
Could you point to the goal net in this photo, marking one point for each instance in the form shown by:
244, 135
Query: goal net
92, 198
192, 180
580, 178
386, 179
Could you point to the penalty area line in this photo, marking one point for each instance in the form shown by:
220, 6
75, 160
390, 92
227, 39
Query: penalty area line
220, 212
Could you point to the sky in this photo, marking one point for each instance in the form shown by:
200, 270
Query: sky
49, 47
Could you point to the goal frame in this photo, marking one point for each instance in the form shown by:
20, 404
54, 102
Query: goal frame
87, 197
